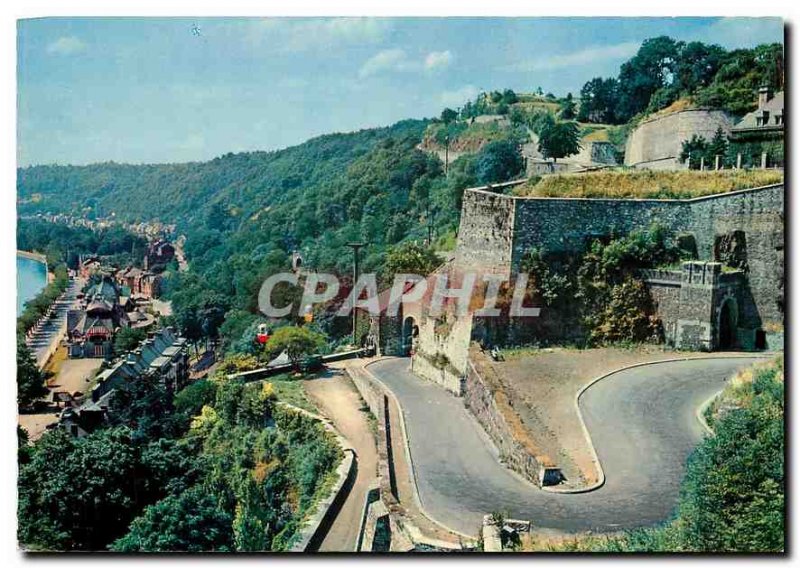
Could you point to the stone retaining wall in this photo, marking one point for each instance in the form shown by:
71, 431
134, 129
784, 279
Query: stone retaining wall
484, 397
497, 231
404, 535
315, 527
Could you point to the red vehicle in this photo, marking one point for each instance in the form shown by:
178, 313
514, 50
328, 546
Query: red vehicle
262, 335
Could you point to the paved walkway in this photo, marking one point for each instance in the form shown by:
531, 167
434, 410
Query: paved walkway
642, 422
46, 338
337, 398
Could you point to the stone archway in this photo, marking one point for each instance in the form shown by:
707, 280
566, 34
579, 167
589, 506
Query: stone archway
727, 324
409, 336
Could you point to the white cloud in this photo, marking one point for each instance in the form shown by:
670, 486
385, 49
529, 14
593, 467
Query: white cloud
303, 34
386, 60
735, 33
394, 60
438, 60
65, 45
585, 56
459, 96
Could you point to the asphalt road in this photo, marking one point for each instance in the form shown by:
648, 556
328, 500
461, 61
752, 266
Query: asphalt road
642, 421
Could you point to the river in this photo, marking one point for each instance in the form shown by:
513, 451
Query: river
31, 278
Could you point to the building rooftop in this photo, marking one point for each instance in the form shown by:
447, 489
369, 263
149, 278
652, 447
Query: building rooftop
769, 115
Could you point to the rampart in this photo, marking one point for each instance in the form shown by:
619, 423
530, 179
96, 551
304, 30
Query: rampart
497, 230
657, 142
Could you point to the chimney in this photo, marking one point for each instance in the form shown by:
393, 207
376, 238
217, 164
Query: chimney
763, 96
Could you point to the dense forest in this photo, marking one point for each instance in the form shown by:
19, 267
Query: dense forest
64, 244
222, 467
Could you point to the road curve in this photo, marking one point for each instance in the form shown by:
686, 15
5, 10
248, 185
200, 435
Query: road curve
642, 421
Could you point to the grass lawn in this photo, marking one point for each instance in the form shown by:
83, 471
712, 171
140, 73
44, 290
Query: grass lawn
647, 184
290, 390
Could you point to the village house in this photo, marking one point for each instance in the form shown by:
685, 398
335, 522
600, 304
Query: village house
141, 283
89, 266
758, 137
91, 328
158, 255
163, 356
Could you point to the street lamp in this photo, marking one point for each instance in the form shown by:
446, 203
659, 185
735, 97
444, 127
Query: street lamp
356, 246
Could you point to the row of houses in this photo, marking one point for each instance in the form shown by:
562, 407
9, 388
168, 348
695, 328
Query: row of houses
162, 356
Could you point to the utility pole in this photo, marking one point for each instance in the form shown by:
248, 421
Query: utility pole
356, 246
446, 152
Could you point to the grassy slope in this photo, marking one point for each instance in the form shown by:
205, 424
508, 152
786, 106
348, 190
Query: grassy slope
645, 184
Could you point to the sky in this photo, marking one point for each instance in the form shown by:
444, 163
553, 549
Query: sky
154, 90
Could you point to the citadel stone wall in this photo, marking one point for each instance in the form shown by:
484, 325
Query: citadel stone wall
759, 214
657, 142
497, 230
486, 232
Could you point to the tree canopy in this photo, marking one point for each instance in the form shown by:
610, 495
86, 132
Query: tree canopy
665, 70
297, 342
559, 139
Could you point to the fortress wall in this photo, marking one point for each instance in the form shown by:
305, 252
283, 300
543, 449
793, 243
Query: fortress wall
759, 214
557, 224
486, 232
496, 230
452, 341
662, 137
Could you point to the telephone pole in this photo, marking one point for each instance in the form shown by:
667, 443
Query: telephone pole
356, 246
446, 153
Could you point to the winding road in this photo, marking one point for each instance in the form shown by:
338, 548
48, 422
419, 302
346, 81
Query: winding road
642, 421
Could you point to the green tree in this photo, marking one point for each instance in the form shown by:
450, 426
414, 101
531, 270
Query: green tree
567, 108
599, 100
449, 115
718, 147
128, 339
297, 342
410, 258
559, 139
189, 522
517, 116
509, 97
498, 161
652, 68
694, 149
89, 499
193, 397
30, 381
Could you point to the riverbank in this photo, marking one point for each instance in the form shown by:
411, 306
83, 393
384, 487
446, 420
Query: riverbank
32, 277
33, 256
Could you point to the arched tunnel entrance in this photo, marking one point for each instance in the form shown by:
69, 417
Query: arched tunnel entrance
728, 320
410, 335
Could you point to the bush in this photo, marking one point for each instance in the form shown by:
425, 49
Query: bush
297, 342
